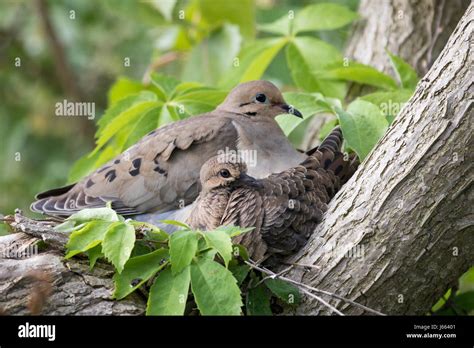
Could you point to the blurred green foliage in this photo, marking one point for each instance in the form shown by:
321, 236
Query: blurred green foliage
145, 64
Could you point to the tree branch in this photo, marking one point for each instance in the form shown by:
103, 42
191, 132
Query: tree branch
400, 232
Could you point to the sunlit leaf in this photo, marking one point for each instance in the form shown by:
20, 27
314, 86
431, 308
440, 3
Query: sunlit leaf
118, 244
324, 16
359, 73
169, 293
91, 235
363, 124
183, 247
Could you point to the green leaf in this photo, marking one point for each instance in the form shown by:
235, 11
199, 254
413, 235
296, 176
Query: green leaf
67, 226
169, 293
240, 12
176, 223
308, 104
258, 301
390, 103
123, 120
90, 214
261, 62
405, 73
123, 88
284, 290
122, 106
166, 84
324, 16
306, 56
152, 232
183, 247
137, 271
220, 241
281, 26
465, 301
359, 73
233, 231
118, 244
252, 62
144, 125
363, 124
213, 56
215, 289
94, 254
240, 251
87, 237
240, 272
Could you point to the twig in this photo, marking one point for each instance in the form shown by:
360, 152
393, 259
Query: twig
302, 265
322, 301
305, 289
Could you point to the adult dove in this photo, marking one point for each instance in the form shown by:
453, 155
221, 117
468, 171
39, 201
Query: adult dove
284, 208
161, 172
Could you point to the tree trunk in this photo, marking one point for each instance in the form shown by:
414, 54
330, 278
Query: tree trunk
401, 232
415, 30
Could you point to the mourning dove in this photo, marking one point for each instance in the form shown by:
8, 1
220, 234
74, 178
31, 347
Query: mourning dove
161, 172
284, 208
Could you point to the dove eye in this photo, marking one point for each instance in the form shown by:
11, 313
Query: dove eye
261, 98
224, 173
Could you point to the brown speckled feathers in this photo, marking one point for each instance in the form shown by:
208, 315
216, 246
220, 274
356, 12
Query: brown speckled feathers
284, 208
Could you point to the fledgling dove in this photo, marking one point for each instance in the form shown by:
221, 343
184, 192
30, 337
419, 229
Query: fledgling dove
284, 208
161, 172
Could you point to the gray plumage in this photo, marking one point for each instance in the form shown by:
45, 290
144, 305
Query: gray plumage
161, 172
284, 208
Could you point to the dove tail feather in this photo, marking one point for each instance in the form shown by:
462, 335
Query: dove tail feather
55, 192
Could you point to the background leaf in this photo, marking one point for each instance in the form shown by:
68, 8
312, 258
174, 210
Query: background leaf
406, 74
324, 16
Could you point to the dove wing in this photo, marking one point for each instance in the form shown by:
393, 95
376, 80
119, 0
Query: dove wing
159, 172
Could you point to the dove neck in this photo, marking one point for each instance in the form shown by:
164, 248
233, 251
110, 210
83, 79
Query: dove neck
270, 147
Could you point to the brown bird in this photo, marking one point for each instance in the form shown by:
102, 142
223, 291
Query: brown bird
284, 208
161, 172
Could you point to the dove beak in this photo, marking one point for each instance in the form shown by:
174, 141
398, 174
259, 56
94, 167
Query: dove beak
291, 110
247, 180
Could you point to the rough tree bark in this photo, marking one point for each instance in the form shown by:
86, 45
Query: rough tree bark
416, 30
401, 231
36, 279
395, 237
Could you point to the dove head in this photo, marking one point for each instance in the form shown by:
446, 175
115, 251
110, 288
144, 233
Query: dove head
257, 98
225, 172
